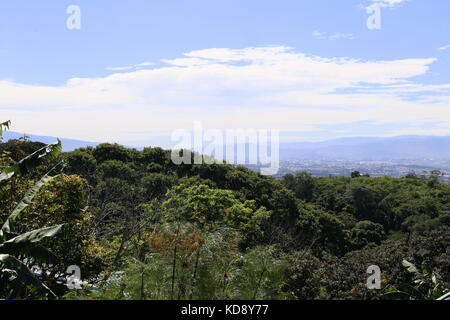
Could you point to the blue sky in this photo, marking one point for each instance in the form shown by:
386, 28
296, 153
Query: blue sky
137, 70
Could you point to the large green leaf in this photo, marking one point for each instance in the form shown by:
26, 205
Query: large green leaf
26, 244
8, 226
409, 266
5, 176
3, 126
15, 267
43, 155
34, 236
35, 251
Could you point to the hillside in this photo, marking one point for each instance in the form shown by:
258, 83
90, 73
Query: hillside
226, 232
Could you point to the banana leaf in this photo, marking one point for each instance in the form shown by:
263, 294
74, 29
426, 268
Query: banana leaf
11, 265
409, 266
47, 153
26, 244
34, 236
35, 251
8, 227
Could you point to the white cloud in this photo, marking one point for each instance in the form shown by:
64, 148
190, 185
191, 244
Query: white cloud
419, 131
134, 66
119, 68
388, 3
268, 87
445, 47
334, 36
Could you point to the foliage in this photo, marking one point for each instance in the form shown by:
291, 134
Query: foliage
305, 276
425, 285
142, 227
53, 205
208, 208
14, 245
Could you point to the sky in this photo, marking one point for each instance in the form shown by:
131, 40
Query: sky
134, 71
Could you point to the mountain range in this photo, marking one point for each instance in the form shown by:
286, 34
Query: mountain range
353, 149
370, 149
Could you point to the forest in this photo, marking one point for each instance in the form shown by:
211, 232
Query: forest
138, 227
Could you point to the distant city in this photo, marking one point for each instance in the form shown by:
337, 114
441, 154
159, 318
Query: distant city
321, 168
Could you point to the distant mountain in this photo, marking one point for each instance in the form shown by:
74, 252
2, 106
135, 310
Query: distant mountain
394, 148
67, 144
354, 149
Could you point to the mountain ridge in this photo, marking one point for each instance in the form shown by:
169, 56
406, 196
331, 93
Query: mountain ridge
406, 147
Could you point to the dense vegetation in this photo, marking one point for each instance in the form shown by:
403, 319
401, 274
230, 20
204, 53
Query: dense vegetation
141, 227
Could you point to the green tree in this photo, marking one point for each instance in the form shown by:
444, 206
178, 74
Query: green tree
356, 174
365, 232
81, 163
305, 275
107, 151
156, 185
115, 169
302, 183
208, 208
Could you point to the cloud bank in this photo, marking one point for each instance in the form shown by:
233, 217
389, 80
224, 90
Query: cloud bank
260, 88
